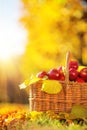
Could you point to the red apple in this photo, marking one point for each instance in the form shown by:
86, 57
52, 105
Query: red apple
73, 64
61, 73
60, 69
41, 74
62, 77
80, 80
83, 73
73, 74
53, 74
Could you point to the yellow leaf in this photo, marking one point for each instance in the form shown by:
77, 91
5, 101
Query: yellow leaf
28, 82
51, 86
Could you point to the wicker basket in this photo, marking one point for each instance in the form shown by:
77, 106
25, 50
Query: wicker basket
72, 93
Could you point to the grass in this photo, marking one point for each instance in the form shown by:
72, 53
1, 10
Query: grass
18, 117
48, 125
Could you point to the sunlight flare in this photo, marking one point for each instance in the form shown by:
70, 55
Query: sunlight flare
10, 49
7, 53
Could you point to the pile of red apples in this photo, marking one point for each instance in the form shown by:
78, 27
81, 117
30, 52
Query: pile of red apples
59, 73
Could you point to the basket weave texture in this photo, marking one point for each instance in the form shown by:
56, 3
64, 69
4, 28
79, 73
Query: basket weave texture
72, 93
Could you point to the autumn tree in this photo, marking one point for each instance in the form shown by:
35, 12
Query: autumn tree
53, 28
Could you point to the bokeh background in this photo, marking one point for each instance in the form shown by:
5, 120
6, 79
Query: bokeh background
35, 35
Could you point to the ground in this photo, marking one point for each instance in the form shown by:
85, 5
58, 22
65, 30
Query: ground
18, 117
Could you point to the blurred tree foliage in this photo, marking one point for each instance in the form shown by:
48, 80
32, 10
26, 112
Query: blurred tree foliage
53, 28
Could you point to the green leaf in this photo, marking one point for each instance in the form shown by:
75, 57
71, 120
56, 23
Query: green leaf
79, 111
51, 86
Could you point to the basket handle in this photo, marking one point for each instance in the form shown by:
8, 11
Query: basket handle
67, 67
